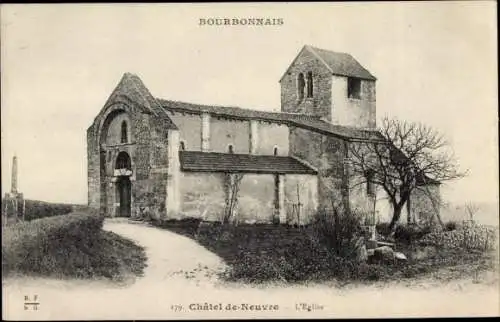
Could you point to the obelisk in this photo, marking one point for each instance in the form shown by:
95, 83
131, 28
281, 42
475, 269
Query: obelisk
14, 204
13, 188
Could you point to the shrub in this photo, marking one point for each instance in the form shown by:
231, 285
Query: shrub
383, 228
371, 272
337, 230
468, 237
39, 209
415, 270
408, 234
288, 264
310, 264
450, 225
184, 226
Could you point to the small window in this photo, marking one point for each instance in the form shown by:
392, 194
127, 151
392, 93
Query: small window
300, 86
230, 149
182, 146
353, 87
124, 134
275, 150
309, 84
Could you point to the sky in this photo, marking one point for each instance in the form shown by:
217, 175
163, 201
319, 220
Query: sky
435, 63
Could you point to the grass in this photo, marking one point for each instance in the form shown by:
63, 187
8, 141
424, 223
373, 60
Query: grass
261, 253
69, 246
35, 209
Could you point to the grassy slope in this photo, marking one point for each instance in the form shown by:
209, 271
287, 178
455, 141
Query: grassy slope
69, 246
116, 257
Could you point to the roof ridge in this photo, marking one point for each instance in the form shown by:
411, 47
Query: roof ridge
326, 56
203, 104
239, 107
329, 50
318, 56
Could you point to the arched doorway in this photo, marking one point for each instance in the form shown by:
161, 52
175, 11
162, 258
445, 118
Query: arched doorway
123, 169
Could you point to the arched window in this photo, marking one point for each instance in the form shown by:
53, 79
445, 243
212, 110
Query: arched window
309, 84
182, 146
123, 161
124, 136
275, 150
230, 148
300, 86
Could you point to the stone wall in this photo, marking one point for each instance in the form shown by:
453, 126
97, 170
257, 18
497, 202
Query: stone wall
202, 195
114, 131
425, 201
93, 171
359, 199
146, 147
358, 112
226, 131
189, 129
326, 154
300, 189
420, 204
320, 104
256, 198
272, 135
329, 99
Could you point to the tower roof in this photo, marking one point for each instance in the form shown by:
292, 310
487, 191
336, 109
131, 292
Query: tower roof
338, 63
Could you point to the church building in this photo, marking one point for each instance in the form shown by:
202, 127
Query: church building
178, 159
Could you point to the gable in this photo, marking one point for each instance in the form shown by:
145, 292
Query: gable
305, 54
336, 63
132, 91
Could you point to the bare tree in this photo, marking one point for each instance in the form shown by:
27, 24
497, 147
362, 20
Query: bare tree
402, 158
471, 209
232, 184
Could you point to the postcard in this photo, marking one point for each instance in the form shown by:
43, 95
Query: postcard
253, 160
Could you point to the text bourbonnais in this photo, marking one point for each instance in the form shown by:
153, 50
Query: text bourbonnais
241, 21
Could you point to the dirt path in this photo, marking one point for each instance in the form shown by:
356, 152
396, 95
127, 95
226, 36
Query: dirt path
170, 256
166, 287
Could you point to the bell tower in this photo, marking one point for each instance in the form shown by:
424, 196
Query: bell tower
330, 85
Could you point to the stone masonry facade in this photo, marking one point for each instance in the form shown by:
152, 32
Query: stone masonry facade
170, 159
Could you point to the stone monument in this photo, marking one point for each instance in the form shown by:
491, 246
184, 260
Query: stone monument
13, 204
